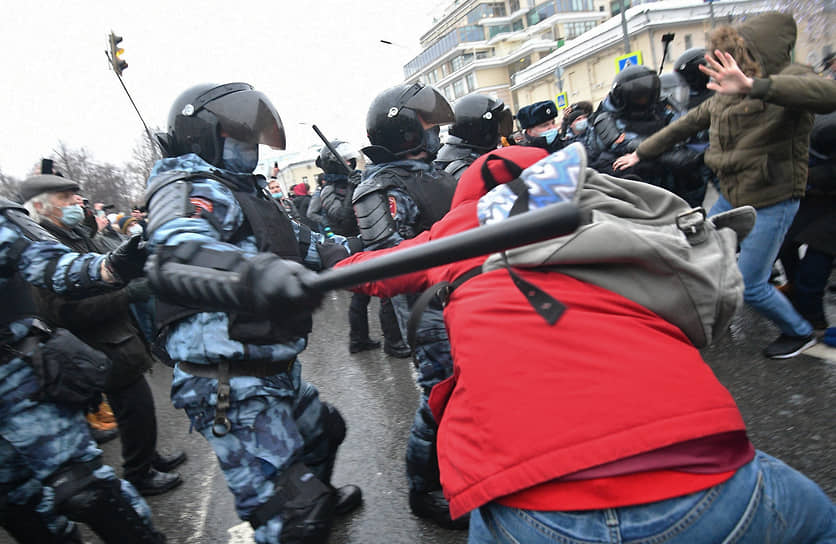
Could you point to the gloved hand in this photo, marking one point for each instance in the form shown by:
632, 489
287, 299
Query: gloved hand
138, 290
127, 260
281, 286
355, 178
355, 244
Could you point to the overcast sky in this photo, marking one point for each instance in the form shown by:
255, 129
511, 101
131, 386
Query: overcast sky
319, 61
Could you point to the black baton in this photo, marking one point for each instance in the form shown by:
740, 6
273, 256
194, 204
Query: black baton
526, 228
332, 149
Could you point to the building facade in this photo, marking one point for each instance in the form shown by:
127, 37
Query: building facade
523, 51
480, 46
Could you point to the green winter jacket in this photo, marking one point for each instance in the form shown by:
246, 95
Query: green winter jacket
758, 143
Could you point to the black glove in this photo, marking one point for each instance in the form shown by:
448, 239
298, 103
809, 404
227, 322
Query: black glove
127, 260
355, 244
355, 178
138, 290
281, 286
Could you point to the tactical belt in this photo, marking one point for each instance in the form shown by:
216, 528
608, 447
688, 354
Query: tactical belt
225, 370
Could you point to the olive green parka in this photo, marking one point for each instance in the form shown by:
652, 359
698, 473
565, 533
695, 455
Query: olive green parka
758, 143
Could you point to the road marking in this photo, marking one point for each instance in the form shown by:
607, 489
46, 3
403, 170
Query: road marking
240, 534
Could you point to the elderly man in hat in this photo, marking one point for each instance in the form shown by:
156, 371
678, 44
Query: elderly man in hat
106, 322
539, 126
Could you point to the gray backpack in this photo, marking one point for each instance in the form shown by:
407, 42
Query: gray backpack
640, 241
648, 245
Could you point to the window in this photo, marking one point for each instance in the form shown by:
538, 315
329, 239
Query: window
448, 92
470, 79
498, 29
540, 13
445, 69
521, 64
514, 5
575, 29
431, 77
517, 25
458, 88
461, 61
688, 42
482, 11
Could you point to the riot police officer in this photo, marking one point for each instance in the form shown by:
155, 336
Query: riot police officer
480, 123
687, 65
631, 112
401, 195
539, 126
214, 230
50, 468
337, 192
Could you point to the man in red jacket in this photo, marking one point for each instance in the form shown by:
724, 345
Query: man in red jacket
548, 434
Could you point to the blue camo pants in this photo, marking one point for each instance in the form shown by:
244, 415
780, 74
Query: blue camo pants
268, 433
434, 363
36, 438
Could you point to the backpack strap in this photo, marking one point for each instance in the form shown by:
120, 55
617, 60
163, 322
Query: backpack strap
439, 292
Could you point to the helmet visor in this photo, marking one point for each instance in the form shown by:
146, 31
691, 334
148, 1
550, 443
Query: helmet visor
675, 88
429, 104
506, 122
249, 116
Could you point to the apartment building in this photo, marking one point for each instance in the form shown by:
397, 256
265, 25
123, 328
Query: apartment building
480, 46
523, 54
585, 67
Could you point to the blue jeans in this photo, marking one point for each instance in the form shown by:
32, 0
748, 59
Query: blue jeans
758, 252
766, 501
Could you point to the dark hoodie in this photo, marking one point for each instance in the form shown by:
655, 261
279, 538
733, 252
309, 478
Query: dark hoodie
759, 143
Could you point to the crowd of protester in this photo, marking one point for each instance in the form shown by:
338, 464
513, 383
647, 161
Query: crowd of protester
211, 273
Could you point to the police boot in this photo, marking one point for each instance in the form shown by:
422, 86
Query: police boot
100, 505
432, 505
25, 526
304, 503
348, 497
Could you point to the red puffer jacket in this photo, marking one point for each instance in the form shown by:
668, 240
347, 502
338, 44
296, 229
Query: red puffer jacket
529, 402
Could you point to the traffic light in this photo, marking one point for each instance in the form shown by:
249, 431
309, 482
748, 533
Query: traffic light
116, 53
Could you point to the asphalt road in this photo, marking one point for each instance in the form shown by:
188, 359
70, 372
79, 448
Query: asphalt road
787, 405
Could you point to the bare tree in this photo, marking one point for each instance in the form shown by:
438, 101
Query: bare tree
138, 170
100, 182
8, 186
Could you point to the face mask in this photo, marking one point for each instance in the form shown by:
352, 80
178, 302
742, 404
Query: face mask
580, 127
276, 195
72, 215
550, 135
239, 156
433, 141
135, 229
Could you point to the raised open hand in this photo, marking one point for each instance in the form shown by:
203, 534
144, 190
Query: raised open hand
726, 76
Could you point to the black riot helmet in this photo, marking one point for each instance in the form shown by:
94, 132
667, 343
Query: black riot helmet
330, 164
688, 66
675, 90
635, 90
202, 113
393, 123
481, 120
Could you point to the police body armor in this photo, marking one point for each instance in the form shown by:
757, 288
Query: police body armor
431, 190
168, 197
455, 156
17, 296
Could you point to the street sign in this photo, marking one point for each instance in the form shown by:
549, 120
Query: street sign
634, 58
561, 100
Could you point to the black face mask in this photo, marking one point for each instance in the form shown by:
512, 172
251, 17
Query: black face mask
433, 142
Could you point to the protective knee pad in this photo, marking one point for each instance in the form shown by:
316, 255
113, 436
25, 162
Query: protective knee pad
304, 503
101, 505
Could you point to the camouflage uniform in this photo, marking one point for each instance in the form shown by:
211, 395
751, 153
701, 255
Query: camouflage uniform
431, 352
275, 421
37, 438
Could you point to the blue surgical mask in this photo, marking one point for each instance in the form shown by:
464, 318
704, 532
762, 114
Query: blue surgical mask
239, 156
433, 141
580, 126
276, 195
550, 135
72, 215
